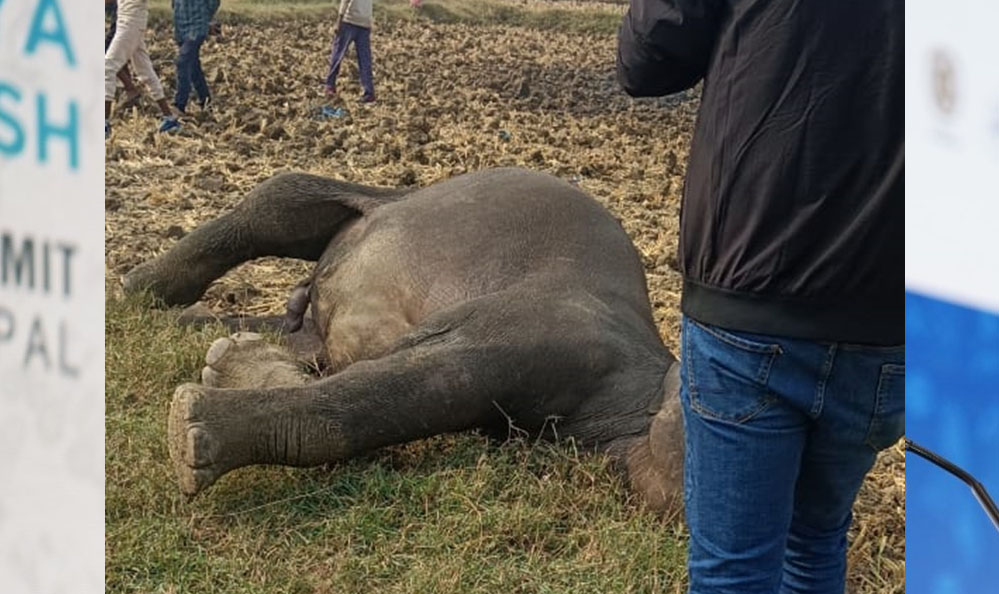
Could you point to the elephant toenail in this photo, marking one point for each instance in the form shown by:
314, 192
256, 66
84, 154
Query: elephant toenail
201, 448
210, 377
218, 350
246, 336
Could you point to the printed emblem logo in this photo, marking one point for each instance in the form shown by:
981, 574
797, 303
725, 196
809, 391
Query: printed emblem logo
944, 82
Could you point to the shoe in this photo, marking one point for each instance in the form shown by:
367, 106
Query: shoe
206, 104
169, 124
329, 92
326, 112
107, 129
366, 99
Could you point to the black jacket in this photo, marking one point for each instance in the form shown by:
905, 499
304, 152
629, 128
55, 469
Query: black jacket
792, 217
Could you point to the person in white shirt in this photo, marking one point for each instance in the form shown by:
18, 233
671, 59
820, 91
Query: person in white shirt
129, 45
354, 26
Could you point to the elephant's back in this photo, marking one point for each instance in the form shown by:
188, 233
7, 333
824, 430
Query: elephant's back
511, 222
483, 233
529, 199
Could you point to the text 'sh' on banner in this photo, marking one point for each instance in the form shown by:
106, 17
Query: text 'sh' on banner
51, 298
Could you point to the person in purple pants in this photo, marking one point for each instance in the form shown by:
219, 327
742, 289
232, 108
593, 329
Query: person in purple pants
354, 27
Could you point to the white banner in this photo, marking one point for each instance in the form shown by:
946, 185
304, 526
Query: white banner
952, 151
51, 297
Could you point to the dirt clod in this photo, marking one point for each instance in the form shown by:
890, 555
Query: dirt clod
174, 232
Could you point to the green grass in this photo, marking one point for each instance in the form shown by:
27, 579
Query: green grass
597, 20
451, 514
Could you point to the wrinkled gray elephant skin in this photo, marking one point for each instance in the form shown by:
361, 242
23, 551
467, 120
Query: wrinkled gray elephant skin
495, 299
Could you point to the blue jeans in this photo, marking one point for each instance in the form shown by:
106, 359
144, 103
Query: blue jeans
361, 38
779, 435
189, 72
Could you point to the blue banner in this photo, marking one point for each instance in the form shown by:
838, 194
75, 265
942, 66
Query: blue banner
952, 408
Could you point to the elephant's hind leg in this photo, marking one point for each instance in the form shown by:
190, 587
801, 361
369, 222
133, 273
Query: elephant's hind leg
305, 344
246, 360
291, 215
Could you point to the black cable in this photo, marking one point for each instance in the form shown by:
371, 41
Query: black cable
976, 487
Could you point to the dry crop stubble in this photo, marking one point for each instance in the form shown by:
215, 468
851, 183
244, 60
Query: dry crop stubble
452, 98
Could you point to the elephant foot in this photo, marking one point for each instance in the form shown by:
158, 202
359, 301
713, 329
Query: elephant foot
197, 315
195, 449
246, 360
172, 287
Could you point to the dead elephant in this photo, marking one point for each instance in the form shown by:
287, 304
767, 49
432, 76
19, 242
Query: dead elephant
494, 298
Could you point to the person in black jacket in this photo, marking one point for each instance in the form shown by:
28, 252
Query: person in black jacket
791, 246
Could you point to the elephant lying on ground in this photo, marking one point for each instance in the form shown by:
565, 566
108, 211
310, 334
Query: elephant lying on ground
495, 298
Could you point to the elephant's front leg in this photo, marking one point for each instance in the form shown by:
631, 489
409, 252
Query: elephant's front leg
450, 376
483, 364
408, 395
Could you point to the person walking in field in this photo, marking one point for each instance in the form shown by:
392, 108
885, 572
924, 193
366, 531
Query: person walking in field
192, 21
132, 94
128, 45
354, 22
792, 252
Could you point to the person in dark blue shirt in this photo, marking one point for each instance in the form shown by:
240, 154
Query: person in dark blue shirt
192, 21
